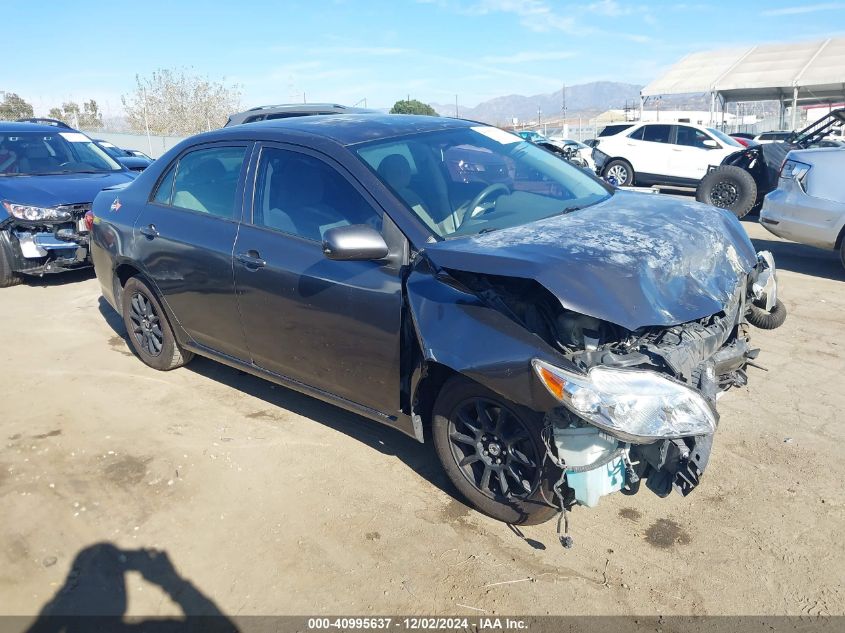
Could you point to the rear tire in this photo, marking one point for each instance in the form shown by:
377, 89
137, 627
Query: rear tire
8, 277
728, 187
149, 332
511, 480
842, 252
621, 171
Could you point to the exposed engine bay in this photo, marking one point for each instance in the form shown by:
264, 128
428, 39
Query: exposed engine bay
708, 355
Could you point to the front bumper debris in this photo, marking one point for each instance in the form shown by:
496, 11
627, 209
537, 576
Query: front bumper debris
42, 248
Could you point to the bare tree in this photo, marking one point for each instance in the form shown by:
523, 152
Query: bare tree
172, 102
88, 117
13, 107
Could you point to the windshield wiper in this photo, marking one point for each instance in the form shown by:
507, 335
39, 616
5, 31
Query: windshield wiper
576, 207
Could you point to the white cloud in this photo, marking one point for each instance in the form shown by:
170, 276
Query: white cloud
807, 8
610, 8
370, 51
529, 56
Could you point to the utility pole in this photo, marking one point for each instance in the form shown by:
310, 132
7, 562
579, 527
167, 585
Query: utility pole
456, 107
147, 121
538, 117
563, 103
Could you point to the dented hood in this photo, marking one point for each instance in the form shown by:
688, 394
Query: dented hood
635, 259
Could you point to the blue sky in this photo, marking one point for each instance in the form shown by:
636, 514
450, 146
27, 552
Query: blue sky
348, 50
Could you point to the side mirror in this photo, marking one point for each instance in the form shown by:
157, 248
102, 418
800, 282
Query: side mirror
710, 144
356, 242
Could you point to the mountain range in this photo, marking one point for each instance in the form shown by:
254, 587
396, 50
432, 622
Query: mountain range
587, 99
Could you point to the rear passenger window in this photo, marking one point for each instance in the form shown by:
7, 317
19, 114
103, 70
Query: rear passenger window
207, 180
657, 133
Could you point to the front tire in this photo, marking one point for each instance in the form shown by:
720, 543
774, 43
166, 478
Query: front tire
728, 187
621, 171
8, 277
148, 330
491, 450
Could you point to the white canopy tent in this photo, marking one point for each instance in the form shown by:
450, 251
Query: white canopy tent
800, 72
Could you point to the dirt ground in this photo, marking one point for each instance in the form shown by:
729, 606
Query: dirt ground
269, 502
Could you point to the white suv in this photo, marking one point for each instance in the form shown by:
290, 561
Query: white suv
661, 153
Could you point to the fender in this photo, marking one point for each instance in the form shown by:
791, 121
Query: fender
453, 325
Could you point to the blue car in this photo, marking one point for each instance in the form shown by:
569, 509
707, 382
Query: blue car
49, 176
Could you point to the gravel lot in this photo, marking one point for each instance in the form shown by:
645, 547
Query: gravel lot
269, 502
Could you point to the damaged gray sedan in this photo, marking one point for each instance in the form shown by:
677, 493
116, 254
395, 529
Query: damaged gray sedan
555, 338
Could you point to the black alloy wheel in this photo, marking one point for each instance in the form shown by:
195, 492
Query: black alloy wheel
492, 448
148, 329
147, 324
724, 194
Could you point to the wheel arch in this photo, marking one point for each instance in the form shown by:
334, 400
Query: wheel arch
123, 272
432, 377
840, 237
619, 158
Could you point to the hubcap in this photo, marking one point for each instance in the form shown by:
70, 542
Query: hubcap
146, 325
493, 449
619, 173
724, 194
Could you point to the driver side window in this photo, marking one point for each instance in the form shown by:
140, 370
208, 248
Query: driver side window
303, 196
691, 137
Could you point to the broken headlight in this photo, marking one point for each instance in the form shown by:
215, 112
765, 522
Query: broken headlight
633, 404
36, 214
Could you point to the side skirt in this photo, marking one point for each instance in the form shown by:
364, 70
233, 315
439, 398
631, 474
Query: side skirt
401, 422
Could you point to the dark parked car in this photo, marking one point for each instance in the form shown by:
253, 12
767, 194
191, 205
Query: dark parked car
555, 338
290, 110
49, 176
139, 153
615, 128
124, 157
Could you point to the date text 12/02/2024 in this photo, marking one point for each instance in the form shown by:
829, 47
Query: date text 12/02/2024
418, 623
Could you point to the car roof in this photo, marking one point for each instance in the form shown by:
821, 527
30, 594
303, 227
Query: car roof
259, 113
306, 107
345, 129
14, 126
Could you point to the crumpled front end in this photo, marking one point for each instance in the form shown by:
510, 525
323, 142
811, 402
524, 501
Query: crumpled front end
633, 405
41, 246
641, 406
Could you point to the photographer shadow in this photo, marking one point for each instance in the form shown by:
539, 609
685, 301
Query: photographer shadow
94, 596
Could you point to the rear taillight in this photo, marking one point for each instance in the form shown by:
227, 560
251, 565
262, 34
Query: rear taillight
89, 220
795, 170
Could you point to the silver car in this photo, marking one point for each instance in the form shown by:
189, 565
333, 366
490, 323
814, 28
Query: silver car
809, 204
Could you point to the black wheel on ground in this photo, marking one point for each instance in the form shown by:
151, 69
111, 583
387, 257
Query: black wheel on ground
492, 451
842, 252
8, 277
621, 171
730, 188
758, 317
149, 332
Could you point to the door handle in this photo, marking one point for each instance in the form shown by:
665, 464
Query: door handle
251, 259
150, 231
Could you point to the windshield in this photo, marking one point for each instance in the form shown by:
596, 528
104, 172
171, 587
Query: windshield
472, 180
727, 140
40, 153
112, 150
